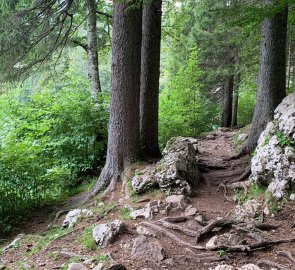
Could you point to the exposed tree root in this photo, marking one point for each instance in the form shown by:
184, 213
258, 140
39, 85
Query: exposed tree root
224, 191
286, 255
175, 219
171, 236
255, 246
214, 224
264, 263
243, 176
177, 228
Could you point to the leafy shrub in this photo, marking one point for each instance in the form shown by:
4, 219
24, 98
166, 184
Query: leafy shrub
48, 139
247, 98
184, 110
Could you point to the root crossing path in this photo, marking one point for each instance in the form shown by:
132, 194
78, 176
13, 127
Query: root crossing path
176, 237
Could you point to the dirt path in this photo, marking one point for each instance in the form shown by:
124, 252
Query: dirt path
41, 248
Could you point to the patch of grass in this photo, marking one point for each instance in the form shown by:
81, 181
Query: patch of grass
86, 185
254, 191
221, 252
87, 240
39, 242
125, 213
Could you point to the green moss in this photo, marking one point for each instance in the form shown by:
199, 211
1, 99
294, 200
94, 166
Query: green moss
254, 191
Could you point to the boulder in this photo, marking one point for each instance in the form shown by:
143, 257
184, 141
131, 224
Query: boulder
77, 266
144, 231
177, 201
273, 165
144, 179
177, 172
104, 234
74, 216
147, 249
248, 211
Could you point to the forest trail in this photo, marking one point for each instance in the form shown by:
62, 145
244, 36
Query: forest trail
46, 246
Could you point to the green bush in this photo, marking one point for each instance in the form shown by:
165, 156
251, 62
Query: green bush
48, 139
247, 98
184, 109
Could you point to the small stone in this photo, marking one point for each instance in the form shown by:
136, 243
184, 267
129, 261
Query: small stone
250, 267
104, 234
200, 218
144, 231
227, 239
77, 266
169, 262
145, 213
74, 216
148, 249
292, 197
177, 201
190, 211
224, 267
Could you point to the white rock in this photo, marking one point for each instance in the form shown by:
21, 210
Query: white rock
248, 211
145, 213
274, 163
250, 266
77, 266
177, 201
227, 239
190, 211
104, 234
74, 216
224, 267
292, 197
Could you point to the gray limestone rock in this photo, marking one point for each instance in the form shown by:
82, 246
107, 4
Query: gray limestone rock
104, 234
148, 249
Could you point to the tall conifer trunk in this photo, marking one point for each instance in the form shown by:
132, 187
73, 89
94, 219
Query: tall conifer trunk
272, 74
227, 102
150, 73
124, 138
93, 68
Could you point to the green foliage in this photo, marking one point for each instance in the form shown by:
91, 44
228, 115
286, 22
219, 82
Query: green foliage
183, 109
48, 139
253, 192
125, 213
247, 98
284, 140
87, 240
221, 252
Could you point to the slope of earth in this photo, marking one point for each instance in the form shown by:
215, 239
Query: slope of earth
44, 245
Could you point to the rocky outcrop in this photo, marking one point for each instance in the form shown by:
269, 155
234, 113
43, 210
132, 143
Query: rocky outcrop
172, 204
104, 234
273, 164
74, 216
147, 249
176, 173
77, 266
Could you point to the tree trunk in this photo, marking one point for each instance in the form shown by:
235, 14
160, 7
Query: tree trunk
227, 102
93, 70
272, 74
150, 73
124, 136
234, 119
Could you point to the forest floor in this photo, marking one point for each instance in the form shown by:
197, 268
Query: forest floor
43, 240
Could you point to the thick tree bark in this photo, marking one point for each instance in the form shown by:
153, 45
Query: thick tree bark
124, 136
150, 73
227, 102
93, 69
234, 119
272, 74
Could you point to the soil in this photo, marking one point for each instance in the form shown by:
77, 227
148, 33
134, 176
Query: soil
40, 247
